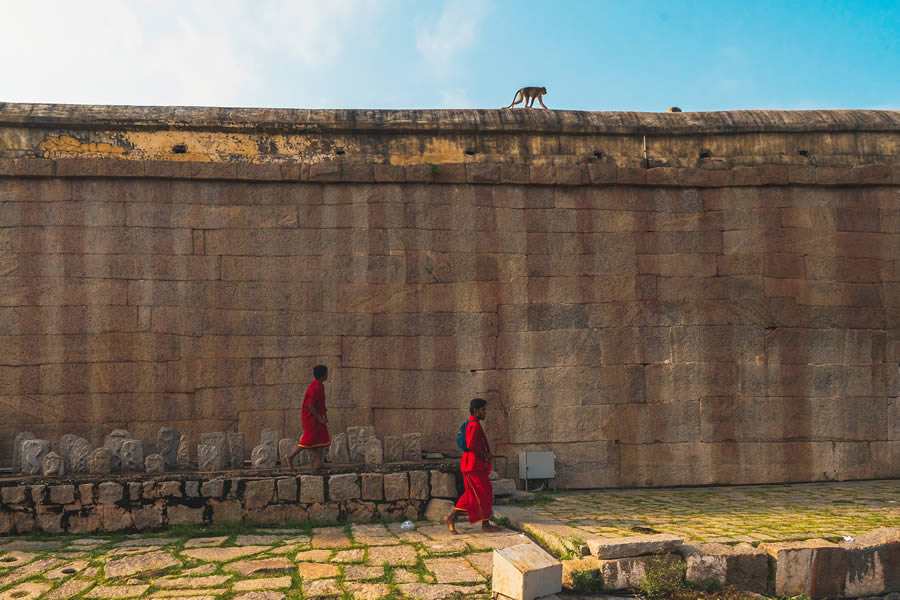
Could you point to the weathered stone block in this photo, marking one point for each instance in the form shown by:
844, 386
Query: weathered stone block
169, 489
357, 438
49, 520
218, 440
62, 494
210, 458
873, 563
372, 486
38, 493
287, 489
264, 456
443, 485
617, 573
167, 442
86, 493
269, 437
183, 457
114, 442
154, 463
148, 516
312, 489
33, 453
633, 546
214, 488
78, 456
52, 465
225, 511
258, 492
525, 572
115, 518
503, 487
184, 515
418, 485
437, 509
742, 566
393, 448
338, 451
342, 487
109, 492
23, 522
13, 494
374, 455
816, 568
324, 512
396, 486
360, 512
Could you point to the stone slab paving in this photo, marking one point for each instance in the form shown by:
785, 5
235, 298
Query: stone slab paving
728, 514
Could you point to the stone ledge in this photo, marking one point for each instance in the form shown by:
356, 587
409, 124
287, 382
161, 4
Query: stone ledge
483, 173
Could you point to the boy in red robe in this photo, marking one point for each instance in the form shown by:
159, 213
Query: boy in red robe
478, 499
314, 419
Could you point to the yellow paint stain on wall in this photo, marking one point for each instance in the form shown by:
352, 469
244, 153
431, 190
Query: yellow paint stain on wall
198, 146
436, 151
66, 144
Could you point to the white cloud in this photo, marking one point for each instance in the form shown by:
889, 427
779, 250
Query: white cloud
201, 52
454, 32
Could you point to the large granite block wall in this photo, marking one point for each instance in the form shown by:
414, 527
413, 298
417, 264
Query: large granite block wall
720, 323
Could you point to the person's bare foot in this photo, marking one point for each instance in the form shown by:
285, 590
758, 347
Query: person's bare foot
450, 525
287, 463
487, 527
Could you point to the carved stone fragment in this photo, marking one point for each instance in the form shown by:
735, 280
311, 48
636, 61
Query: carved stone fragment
167, 442
77, 459
269, 436
236, 449
17, 449
183, 458
155, 463
357, 437
209, 458
263, 457
412, 446
53, 465
285, 447
33, 453
132, 455
393, 447
100, 461
114, 442
374, 454
338, 451
220, 441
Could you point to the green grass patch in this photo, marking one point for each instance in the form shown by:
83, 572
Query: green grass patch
587, 581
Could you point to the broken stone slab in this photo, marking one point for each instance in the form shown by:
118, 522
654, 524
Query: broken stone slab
269, 437
220, 441
132, 452
638, 545
374, 454
210, 458
168, 439
412, 446
263, 457
393, 448
338, 451
438, 508
139, 563
114, 442
53, 465
33, 453
504, 487
742, 566
816, 568
357, 437
525, 572
183, 458
155, 463
100, 461
617, 573
873, 563
235, 449
17, 449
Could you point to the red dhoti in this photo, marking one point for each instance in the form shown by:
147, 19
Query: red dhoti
478, 499
315, 433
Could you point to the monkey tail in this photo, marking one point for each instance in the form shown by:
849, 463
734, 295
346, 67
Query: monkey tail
513, 102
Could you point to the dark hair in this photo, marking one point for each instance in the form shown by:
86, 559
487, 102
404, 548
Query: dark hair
320, 371
475, 404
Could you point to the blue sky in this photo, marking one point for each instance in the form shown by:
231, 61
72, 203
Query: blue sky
641, 56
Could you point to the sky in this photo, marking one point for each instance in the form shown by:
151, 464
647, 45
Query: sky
408, 54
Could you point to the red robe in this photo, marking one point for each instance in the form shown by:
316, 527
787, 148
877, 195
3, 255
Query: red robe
315, 434
478, 499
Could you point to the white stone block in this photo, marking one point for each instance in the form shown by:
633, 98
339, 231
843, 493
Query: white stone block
525, 572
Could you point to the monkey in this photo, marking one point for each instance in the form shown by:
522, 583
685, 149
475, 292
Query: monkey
528, 95
674, 109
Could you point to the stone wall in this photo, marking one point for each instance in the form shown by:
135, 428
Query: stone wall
723, 308
86, 504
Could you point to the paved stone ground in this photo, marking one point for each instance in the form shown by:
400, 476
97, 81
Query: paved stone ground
374, 561
363, 562
731, 514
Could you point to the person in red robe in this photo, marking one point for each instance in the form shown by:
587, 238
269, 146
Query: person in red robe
314, 419
478, 499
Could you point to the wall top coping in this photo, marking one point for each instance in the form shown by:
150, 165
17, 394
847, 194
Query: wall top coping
442, 121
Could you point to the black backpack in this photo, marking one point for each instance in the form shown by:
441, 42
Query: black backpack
461, 437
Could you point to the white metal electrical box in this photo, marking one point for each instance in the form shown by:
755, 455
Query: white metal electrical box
537, 465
